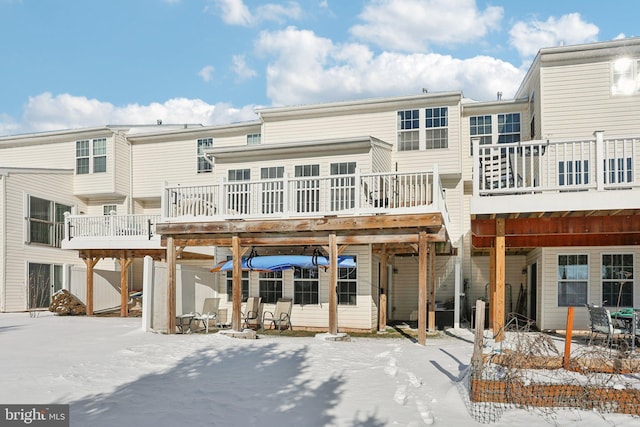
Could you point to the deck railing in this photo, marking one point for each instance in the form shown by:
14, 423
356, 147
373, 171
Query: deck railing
556, 166
349, 194
137, 226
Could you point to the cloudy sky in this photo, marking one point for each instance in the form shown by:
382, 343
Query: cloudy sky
78, 63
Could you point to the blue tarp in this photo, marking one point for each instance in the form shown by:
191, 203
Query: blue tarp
284, 262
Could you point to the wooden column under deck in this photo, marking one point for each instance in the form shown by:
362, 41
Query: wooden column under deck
90, 263
171, 286
492, 285
431, 282
422, 288
498, 311
236, 293
124, 286
384, 259
333, 285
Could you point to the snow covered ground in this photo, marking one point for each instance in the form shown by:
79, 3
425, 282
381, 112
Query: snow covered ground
112, 373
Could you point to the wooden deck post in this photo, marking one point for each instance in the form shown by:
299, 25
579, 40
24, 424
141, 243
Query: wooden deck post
236, 293
333, 284
124, 286
171, 286
384, 259
498, 320
492, 285
431, 274
422, 288
90, 262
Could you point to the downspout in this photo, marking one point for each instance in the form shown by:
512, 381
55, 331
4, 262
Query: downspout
130, 207
3, 248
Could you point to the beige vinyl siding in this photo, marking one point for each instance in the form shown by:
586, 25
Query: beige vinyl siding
97, 183
380, 160
122, 169
577, 100
479, 278
61, 155
381, 125
174, 162
358, 316
555, 317
54, 187
3, 235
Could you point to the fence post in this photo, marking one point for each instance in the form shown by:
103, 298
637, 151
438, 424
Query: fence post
567, 339
476, 359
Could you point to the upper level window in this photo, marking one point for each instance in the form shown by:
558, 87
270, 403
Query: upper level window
203, 164
480, 127
307, 190
254, 139
46, 221
436, 122
408, 130
508, 128
238, 192
88, 150
483, 127
624, 76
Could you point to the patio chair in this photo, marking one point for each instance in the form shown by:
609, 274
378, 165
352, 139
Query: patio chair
601, 324
209, 312
252, 313
280, 317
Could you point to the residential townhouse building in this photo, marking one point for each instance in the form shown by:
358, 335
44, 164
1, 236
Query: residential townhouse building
531, 203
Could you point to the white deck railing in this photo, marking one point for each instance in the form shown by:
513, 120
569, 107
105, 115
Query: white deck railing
92, 226
286, 197
556, 166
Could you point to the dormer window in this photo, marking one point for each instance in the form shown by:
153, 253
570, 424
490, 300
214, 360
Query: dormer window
91, 156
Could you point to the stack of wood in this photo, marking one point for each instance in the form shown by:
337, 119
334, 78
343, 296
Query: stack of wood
64, 303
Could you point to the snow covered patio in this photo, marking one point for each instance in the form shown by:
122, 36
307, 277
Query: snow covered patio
112, 373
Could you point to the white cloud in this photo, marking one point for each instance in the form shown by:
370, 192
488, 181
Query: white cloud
47, 112
414, 25
308, 68
235, 12
529, 37
206, 73
241, 69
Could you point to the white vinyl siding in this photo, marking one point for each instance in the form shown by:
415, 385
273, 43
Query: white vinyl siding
577, 100
18, 254
555, 317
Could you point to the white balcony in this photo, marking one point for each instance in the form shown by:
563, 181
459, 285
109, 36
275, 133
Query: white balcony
556, 176
296, 197
111, 232
337, 195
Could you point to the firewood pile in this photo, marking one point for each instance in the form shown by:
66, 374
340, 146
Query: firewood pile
64, 303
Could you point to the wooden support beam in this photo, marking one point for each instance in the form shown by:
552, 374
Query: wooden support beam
382, 300
492, 285
171, 286
236, 283
431, 280
422, 288
90, 262
333, 285
499, 314
124, 286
